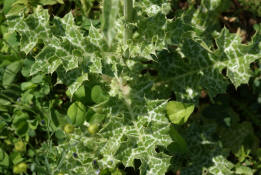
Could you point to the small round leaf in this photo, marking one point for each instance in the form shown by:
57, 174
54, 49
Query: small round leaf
76, 113
179, 112
20, 123
98, 95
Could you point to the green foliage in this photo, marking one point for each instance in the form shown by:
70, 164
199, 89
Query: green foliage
20, 168
10, 72
179, 112
124, 82
20, 123
14, 7
76, 113
4, 159
252, 6
97, 94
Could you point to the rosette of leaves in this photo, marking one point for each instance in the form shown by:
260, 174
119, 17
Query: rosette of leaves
135, 123
72, 55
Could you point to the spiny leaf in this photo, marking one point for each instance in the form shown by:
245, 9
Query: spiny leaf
32, 29
64, 44
128, 133
194, 67
76, 85
148, 129
221, 166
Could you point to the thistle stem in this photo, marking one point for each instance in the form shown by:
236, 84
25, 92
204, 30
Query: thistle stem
128, 14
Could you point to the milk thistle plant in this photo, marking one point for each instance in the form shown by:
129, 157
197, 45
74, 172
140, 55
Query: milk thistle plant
112, 85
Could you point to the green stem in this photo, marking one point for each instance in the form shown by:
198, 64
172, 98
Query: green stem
128, 14
86, 6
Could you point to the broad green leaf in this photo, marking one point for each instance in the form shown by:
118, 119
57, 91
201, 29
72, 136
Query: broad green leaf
5, 159
98, 95
27, 97
179, 145
4, 63
4, 102
20, 168
96, 118
26, 68
2, 125
2, 154
38, 79
20, 123
76, 113
27, 85
10, 73
16, 158
80, 93
179, 112
7, 59
59, 134
11, 39
20, 146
